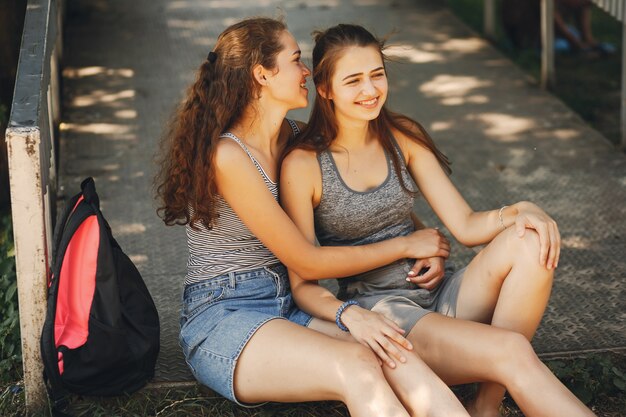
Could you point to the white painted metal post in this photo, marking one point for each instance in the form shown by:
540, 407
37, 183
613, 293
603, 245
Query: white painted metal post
32, 175
31, 252
489, 19
547, 44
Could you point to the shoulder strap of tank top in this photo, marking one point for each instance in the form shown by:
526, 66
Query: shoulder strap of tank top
239, 141
327, 164
245, 148
398, 150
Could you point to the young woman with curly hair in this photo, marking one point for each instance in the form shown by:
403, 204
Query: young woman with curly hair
241, 333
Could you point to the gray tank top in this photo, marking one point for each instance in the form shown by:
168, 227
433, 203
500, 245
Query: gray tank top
347, 217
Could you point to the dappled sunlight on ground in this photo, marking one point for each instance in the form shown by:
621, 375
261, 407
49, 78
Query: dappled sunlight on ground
575, 242
565, 134
111, 130
129, 228
102, 96
470, 45
439, 126
412, 54
71, 73
504, 127
450, 85
455, 90
138, 260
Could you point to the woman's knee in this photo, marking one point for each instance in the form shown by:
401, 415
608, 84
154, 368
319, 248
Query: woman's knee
515, 356
359, 363
524, 249
526, 245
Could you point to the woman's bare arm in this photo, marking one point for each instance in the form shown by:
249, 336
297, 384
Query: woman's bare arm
471, 227
239, 183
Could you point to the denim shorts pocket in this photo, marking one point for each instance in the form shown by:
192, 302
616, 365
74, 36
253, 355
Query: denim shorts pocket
203, 297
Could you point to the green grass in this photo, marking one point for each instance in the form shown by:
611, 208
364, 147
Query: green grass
598, 379
10, 348
590, 86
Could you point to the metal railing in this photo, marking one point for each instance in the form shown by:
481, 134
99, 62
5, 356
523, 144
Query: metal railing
616, 8
31, 150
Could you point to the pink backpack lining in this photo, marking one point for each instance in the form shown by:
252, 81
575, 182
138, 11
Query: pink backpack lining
71, 323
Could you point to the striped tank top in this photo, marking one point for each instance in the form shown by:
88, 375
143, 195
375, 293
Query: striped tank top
229, 246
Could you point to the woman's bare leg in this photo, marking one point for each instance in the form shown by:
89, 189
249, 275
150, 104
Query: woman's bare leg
504, 286
287, 363
462, 351
421, 391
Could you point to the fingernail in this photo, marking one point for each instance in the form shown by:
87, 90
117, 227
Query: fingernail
411, 272
403, 359
408, 279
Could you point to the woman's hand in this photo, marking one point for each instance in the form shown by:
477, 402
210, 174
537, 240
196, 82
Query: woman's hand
375, 331
530, 216
427, 243
432, 277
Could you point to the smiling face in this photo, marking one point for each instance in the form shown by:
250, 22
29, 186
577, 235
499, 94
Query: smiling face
358, 86
287, 82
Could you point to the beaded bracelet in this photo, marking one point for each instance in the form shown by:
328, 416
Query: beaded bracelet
340, 311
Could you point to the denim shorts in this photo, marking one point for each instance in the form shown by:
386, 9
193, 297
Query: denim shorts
221, 314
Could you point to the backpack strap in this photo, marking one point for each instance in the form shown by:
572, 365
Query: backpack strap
60, 224
88, 193
88, 186
74, 214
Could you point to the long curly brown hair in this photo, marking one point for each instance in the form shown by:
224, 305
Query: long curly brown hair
322, 127
223, 89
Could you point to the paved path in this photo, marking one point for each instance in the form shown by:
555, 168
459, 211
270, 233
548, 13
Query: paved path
127, 63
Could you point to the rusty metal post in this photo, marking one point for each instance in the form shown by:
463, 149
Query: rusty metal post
29, 228
32, 178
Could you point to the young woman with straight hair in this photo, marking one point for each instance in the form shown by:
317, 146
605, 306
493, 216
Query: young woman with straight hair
352, 179
241, 333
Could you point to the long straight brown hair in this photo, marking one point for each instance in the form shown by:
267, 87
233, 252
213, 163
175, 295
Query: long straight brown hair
223, 89
322, 127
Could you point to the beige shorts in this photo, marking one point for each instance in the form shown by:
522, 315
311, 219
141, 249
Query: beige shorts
386, 291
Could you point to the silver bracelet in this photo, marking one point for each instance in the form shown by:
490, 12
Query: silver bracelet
500, 217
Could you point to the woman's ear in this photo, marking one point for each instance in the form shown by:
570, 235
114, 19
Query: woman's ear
323, 93
260, 74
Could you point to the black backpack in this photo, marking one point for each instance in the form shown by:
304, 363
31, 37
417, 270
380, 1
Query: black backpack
101, 333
